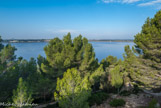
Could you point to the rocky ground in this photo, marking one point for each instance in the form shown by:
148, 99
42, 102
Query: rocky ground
140, 100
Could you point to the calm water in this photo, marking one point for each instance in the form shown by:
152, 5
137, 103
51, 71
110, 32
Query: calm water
102, 49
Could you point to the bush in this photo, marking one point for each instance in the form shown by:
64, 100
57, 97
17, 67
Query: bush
98, 98
125, 93
117, 102
153, 104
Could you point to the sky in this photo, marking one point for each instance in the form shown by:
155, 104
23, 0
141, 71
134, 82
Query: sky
94, 19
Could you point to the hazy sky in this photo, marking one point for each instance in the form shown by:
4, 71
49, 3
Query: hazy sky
94, 19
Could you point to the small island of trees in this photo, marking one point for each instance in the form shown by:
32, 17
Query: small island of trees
70, 75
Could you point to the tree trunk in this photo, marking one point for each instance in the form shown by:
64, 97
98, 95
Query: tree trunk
118, 90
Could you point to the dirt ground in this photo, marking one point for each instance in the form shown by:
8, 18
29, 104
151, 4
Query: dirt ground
140, 100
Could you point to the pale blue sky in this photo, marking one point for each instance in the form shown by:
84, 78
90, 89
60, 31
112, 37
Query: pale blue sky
94, 19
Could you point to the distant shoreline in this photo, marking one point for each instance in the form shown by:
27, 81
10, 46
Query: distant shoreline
47, 40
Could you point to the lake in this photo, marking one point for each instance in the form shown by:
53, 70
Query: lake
102, 49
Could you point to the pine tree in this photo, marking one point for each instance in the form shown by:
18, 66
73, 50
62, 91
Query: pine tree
149, 39
64, 54
7, 53
44, 87
22, 96
72, 90
95, 78
89, 63
53, 53
116, 77
1, 45
96, 75
6, 57
146, 69
60, 53
110, 60
8, 71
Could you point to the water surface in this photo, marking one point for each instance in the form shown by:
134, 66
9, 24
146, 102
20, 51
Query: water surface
102, 49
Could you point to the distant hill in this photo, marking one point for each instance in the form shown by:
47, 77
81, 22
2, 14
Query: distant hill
112, 40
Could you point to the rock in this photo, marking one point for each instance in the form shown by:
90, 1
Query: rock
148, 96
133, 96
113, 96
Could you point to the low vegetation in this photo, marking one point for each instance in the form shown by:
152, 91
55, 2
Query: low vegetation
117, 102
153, 104
98, 98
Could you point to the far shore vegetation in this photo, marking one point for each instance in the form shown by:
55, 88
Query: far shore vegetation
47, 40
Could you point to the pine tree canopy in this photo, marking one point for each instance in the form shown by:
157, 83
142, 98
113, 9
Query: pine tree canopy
149, 39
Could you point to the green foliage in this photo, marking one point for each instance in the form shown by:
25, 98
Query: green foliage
78, 43
7, 54
8, 82
116, 77
53, 50
97, 98
22, 96
27, 68
1, 45
149, 39
117, 102
110, 60
125, 93
128, 52
89, 62
131, 65
44, 88
67, 39
153, 104
6, 57
141, 68
64, 54
147, 68
130, 59
40, 61
8, 71
83, 73
109, 63
60, 53
104, 82
96, 75
72, 90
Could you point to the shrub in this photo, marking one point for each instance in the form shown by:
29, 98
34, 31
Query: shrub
98, 98
117, 102
125, 93
153, 104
